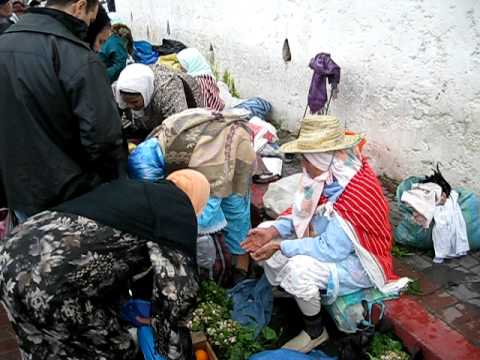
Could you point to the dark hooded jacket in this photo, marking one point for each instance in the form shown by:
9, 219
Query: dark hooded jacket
60, 132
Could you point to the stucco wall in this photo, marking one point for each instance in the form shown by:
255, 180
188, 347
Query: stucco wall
410, 68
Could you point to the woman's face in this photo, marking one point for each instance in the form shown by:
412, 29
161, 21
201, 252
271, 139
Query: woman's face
134, 101
311, 170
101, 39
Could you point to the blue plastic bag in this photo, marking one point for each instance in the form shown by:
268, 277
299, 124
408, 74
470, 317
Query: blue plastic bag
146, 162
144, 53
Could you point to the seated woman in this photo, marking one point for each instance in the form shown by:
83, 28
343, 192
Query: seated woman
153, 95
197, 66
66, 272
111, 48
219, 146
338, 225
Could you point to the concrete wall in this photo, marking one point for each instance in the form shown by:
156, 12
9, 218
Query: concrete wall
410, 68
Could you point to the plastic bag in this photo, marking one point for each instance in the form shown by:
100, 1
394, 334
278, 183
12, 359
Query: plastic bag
411, 234
280, 194
146, 162
206, 254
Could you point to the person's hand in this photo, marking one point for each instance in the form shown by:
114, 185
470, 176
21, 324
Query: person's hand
143, 321
266, 251
258, 237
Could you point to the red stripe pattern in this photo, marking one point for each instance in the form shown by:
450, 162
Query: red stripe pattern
365, 207
210, 92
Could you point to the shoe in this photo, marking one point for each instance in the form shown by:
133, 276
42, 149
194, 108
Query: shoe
304, 343
438, 260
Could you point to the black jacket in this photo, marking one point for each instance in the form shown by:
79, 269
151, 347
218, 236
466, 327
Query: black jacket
60, 132
4, 25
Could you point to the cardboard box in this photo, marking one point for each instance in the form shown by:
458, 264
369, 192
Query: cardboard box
200, 341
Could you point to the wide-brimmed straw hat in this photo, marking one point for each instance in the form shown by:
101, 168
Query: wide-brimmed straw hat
320, 133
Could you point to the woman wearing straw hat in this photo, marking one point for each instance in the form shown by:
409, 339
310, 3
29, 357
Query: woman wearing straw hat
338, 230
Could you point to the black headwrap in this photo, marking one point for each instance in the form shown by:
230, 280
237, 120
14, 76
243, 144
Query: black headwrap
159, 212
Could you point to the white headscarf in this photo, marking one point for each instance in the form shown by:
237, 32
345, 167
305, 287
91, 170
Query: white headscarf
341, 166
135, 78
194, 62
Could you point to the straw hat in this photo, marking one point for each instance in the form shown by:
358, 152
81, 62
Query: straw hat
320, 133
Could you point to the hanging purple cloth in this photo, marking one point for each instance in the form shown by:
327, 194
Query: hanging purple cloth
323, 67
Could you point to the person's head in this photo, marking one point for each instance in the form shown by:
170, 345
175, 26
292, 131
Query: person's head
316, 164
19, 7
135, 87
99, 30
195, 185
6, 9
124, 32
134, 101
85, 10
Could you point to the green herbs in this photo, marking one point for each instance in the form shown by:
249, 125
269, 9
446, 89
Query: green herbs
384, 347
414, 288
231, 340
401, 251
228, 79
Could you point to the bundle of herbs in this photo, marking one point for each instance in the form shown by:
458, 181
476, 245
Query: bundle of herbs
230, 339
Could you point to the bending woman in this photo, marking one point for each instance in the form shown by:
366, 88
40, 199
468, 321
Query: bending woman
219, 146
65, 273
153, 95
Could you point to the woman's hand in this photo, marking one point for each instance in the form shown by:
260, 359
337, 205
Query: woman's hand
258, 237
144, 321
266, 251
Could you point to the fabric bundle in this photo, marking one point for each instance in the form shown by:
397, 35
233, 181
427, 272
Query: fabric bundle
324, 68
257, 107
449, 232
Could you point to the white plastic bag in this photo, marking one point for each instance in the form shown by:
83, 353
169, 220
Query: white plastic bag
206, 253
279, 196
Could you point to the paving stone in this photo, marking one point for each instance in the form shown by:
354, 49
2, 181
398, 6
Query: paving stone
475, 301
463, 292
451, 314
469, 261
469, 313
438, 301
470, 329
417, 262
475, 270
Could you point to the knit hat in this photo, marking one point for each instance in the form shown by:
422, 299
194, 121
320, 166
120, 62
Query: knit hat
320, 133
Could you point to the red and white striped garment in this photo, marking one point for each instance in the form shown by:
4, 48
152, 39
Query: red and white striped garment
364, 206
211, 92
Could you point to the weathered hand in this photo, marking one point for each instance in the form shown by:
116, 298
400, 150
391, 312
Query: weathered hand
266, 251
144, 321
258, 237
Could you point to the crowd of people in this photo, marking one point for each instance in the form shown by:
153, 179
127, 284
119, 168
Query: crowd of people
94, 215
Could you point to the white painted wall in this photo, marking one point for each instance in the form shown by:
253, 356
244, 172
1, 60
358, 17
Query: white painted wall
410, 68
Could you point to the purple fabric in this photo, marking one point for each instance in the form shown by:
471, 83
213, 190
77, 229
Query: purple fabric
323, 68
